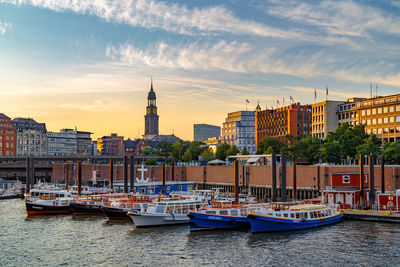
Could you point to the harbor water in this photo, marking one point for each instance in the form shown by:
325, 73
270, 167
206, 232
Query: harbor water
92, 241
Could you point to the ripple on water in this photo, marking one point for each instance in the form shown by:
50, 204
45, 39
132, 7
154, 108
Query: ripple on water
93, 241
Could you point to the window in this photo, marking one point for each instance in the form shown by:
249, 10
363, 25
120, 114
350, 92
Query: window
368, 112
385, 120
368, 122
346, 179
398, 108
391, 109
363, 113
380, 131
385, 110
373, 111
373, 121
391, 119
397, 118
223, 212
379, 120
379, 110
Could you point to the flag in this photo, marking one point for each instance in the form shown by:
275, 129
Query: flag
277, 102
291, 99
283, 101
326, 89
315, 94
247, 101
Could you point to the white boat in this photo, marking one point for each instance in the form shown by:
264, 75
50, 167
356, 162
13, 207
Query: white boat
166, 212
41, 201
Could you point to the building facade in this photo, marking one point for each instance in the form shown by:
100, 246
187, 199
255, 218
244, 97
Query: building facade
381, 116
201, 132
31, 137
112, 145
151, 117
69, 142
294, 119
238, 129
324, 117
8, 136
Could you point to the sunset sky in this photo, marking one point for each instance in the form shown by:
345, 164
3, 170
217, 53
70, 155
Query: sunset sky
88, 63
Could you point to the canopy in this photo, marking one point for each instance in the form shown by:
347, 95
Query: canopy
216, 161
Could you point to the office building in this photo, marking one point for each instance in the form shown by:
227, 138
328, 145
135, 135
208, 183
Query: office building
201, 132
238, 129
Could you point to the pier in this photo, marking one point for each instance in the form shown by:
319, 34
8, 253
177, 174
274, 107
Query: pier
371, 215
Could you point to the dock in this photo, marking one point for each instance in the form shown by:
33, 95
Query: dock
371, 215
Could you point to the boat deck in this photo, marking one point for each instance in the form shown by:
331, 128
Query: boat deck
370, 215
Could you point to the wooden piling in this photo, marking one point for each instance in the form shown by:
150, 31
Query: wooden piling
132, 174
125, 165
383, 174
273, 175
79, 178
236, 180
283, 185
371, 180
163, 178
361, 182
294, 180
111, 173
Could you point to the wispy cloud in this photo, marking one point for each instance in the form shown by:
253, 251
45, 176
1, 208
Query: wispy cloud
344, 18
160, 15
4, 26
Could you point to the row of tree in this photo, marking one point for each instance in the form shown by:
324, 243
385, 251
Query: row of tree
345, 144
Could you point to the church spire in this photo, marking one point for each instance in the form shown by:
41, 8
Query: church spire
151, 88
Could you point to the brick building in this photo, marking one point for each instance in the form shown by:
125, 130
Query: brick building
8, 137
31, 137
294, 119
112, 145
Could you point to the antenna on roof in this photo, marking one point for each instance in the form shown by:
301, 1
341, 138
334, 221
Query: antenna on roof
370, 91
376, 90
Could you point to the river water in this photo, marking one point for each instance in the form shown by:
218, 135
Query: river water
92, 241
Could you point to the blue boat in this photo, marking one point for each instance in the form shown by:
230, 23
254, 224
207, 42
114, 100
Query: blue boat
221, 215
285, 217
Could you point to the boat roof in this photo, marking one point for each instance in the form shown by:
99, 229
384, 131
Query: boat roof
308, 207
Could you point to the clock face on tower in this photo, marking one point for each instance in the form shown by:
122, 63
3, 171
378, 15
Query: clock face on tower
148, 110
155, 110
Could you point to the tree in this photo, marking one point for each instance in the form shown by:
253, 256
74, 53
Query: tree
207, 154
187, 156
368, 147
391, 152
148, 151
330, 152
232, 151
267, 142
222, 151
178, 149
308, 148
151, 161
196, 148
164, 149
245, 151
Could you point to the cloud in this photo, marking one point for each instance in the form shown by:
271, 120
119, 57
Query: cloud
342, 18
223, 56
4, 26
160, 15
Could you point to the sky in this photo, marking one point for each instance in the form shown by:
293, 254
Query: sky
88, 64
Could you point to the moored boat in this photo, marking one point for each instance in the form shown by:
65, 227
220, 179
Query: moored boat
222, 215
117, 209
165, 212
56, 203
88, 205
284, 217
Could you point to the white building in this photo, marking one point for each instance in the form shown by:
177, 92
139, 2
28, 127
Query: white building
69, 141
238, 129
31, 137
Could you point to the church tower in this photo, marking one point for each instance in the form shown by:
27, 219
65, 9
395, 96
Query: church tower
151, 117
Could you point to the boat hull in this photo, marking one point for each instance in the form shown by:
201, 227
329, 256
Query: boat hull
115, 213
82, 209
9, 196
260, 223
200, 221
147, 220
39, 209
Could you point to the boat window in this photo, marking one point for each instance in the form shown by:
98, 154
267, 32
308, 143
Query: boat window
178, 209
145, 205
223, 212
297, 215
185, 209
291, 215
191, 207
160, 208
285, 215
270, 214
278, 215
305, 215
210, 212
234, 212
170, 209
122, 206
136, 206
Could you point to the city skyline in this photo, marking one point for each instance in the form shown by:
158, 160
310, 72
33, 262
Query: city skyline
88, 64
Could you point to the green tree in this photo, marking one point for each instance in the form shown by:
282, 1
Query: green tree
232, 151
207, 154
164, 149
222, 151
187, 156
178, 149
196, 148
148, 151
308, 148
368, 146
245, 151
267, 142
330, 152
391, 152
151, 161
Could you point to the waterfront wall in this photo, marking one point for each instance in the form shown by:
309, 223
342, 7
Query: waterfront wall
257, 176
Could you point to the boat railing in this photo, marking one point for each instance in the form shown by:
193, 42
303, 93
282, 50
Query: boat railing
46, 197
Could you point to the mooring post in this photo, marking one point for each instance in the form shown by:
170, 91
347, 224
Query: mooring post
132, 175
172, 170
383, 174
79, 180
28, 174
361, 182
294, 180
236, 180
273, 175
66, 175
283, 185
371, 180
125, 164
33, 174
163, 178
111, 173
